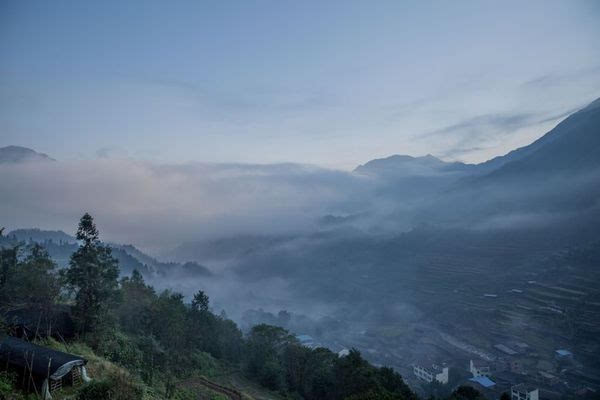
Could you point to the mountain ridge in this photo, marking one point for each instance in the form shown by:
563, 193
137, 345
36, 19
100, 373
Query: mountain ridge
18, 154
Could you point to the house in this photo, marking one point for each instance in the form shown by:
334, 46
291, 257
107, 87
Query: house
484, 381
343, 353
520, 347
430, 374
478, 368
515, 366
484, 385
45, 370
547, 378
563, 354
505, 349
524, 392
306, 340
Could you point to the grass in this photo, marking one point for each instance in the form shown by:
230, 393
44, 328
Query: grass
99, 368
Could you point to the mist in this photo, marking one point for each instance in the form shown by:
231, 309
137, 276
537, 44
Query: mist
157, 206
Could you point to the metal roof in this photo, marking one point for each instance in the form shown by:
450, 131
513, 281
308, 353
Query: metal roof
44, 362
505, 349
483, 381
304, 338
563, 352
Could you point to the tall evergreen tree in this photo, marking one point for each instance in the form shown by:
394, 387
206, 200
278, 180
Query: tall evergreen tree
92, 275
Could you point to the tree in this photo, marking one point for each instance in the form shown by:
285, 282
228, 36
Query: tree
466, 393
92, 275
200, 302
37, 277
8, 262
87, 231
135, 310
265, 344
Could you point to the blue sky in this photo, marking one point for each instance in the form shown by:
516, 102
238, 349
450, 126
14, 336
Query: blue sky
331, 83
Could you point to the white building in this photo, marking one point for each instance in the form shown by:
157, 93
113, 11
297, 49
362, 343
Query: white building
431, 374
524, 392
343, 353
478, 369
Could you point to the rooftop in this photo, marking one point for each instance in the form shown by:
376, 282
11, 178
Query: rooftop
483, 381
563, 353
304, 338
524, 388
43, 361
505, 349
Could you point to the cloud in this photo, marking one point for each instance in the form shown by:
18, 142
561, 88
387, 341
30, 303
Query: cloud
487, 124
556, 79
482, 133
111, 152
161, 205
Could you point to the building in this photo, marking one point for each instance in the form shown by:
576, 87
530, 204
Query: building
430, 374
306, 340
547, 378
563, 354
521, 347
343, 353
524, 392
478, 368
483, 381
45, 370
29, 324
505, 349
515, 366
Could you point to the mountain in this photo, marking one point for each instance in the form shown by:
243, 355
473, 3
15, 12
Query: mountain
552, 181
18, 154
41, 236
572, 146
402, 165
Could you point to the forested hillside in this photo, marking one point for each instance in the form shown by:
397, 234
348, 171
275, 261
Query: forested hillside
147, 344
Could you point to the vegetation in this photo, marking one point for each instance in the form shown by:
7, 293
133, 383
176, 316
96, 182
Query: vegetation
139, 342
92, 276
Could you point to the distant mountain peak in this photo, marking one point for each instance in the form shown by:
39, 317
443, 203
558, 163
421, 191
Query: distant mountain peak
408, 165
18, 154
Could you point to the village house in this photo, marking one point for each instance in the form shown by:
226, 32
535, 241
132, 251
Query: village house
478, 368
524, 392
435, 372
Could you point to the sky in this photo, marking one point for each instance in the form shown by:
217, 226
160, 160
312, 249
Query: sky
332, 83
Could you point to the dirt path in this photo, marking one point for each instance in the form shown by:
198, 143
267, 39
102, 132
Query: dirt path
232, 394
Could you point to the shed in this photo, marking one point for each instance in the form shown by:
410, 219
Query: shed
46, 368
29, 323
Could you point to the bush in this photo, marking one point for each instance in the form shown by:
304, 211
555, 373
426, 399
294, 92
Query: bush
6, 386
8, 390
118, 386
121, 350
95, 390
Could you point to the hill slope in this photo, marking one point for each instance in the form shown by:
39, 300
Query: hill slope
17, 154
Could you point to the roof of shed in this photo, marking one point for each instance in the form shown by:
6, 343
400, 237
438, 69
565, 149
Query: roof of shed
44, 361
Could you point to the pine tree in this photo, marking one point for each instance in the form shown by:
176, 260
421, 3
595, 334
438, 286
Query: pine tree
92, 275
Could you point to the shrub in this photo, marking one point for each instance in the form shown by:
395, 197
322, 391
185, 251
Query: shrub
117, 386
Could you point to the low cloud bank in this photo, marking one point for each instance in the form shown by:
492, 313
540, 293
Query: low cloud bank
157, 206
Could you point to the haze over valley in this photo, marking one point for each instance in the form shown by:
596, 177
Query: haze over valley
393, 258
300, 201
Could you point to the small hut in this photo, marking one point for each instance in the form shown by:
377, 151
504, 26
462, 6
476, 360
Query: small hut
29, 324
42, 370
